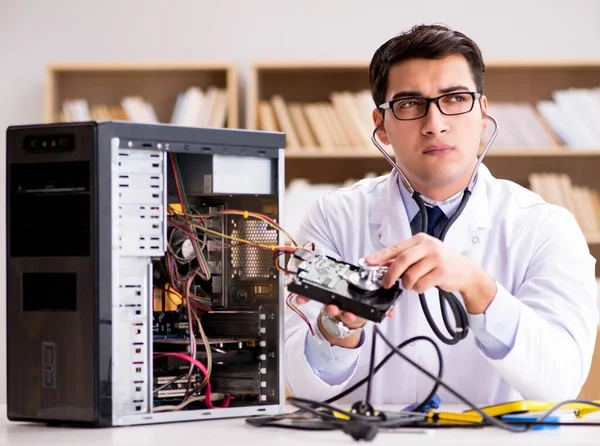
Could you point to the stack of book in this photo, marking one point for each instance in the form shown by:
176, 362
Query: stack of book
344, 123
574, 114
194, 107
583, 202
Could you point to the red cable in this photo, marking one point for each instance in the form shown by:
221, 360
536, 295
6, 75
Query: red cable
202, 368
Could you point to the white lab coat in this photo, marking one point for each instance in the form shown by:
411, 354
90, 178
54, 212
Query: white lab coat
534, 250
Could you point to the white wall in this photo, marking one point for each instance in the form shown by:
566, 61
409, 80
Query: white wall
33, 33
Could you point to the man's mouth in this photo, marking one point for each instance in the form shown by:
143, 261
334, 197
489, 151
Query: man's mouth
437, 150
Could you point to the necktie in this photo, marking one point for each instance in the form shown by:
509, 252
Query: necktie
435, 221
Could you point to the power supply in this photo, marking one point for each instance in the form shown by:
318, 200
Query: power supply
142, 276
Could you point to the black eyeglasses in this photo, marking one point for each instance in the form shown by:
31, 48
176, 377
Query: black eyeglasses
451, 104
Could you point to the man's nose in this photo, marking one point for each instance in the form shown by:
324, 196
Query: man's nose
434, 122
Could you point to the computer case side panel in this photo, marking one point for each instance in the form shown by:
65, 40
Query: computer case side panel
104, 274
51, 300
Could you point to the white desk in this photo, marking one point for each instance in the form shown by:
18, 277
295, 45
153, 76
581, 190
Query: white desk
237, 432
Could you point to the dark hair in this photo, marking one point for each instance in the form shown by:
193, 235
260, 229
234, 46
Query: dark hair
422, 41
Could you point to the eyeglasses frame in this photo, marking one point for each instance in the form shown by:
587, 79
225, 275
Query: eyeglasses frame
475, 95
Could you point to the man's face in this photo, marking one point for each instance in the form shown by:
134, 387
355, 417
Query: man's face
437, 153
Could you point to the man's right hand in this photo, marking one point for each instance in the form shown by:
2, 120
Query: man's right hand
349, 319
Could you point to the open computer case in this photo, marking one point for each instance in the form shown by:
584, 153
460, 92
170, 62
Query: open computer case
140, 261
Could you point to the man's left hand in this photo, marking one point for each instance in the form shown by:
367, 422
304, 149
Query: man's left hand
424, 262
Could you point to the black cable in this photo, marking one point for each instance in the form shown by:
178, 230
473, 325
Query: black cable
557, 406
445, 298
386, 359
484, 415
367, 406
308, 425
311, 406
307, 406
491, 420
361, 426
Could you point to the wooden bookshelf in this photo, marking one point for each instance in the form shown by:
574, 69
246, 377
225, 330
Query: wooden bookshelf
504, 81
157, 83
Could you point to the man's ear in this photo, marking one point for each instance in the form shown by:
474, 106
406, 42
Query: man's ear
484, 109
378, 122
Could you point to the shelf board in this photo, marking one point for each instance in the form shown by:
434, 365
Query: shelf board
311, 64
335, 152
109, 67
361, 152
542, 63
546, 152
324, 64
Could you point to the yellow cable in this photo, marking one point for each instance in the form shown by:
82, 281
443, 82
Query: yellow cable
245, 214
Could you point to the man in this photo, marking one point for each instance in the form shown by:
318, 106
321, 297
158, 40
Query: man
520, 266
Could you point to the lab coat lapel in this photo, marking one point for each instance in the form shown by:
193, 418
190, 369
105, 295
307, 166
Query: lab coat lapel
390, 214
475, 221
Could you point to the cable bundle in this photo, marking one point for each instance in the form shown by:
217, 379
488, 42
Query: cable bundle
363, 422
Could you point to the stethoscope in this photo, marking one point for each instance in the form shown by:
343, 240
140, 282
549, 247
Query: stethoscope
460, 331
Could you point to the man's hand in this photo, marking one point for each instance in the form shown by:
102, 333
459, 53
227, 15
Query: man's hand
349, 319
424, 262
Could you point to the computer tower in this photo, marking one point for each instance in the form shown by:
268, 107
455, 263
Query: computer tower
132, 250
